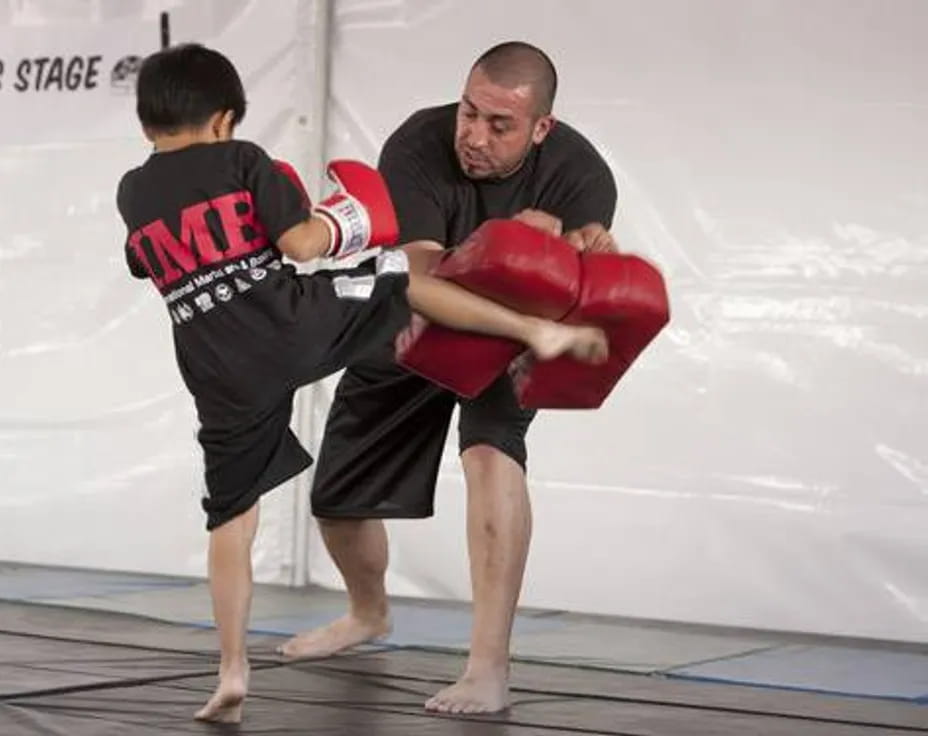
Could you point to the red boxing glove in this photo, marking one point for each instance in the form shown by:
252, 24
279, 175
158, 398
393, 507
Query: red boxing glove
511, 263
287, 170
625, 296
360, 214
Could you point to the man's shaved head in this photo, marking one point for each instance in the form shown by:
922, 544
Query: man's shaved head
515, 63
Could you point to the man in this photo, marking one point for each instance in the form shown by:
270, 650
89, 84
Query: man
496, 153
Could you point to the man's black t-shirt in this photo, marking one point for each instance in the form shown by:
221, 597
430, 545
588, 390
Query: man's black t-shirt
386, 429
434, 200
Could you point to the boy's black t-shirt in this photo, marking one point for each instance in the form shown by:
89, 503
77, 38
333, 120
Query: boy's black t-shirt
248, 329
202, 222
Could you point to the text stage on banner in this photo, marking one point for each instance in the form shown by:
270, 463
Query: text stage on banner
70, 82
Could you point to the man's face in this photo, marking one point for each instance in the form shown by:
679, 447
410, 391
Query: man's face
496, 127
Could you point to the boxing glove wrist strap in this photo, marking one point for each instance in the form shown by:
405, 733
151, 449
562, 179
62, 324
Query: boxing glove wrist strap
349, 224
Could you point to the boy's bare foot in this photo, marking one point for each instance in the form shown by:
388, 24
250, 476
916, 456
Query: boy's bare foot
488, 693
590, 345
226, 704
341, 634
549, 340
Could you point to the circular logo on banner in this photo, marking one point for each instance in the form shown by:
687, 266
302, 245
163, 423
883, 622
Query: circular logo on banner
124, 74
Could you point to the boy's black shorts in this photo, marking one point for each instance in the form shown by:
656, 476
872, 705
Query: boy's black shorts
337, 316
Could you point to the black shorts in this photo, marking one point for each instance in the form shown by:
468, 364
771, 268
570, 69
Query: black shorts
338, 316
386, 433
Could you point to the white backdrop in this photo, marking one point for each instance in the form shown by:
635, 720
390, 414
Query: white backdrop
98, 458
763, 464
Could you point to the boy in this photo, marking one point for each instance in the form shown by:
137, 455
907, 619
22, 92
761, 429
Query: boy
208, 220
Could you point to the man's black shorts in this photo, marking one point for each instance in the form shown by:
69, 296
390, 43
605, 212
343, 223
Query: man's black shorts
386, 432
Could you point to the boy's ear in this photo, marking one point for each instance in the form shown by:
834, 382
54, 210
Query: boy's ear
223, 124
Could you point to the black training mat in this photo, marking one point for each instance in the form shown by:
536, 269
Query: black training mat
82, 673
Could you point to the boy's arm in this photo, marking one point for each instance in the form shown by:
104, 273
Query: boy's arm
306, 240
282, 205
358, 215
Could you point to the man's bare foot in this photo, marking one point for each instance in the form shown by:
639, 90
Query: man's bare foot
488, 694
225, 705
344, 633
550, 339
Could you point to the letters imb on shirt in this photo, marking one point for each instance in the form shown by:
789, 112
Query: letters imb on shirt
169, 257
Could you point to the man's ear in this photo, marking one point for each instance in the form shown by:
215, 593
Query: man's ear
543, 126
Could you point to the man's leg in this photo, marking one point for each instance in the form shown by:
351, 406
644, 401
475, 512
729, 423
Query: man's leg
499, 528
359, 549
231, 587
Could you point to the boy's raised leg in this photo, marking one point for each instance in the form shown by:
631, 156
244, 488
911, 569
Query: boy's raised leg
451, 305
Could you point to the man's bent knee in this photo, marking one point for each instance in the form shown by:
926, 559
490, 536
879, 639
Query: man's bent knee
489, 457
336, 525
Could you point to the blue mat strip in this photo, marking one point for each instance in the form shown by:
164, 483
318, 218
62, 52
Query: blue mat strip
797, 688
846, 671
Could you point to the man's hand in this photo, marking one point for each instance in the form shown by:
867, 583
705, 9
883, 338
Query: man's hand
542, 220
593, 238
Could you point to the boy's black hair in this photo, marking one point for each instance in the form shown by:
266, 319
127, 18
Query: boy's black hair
182, 86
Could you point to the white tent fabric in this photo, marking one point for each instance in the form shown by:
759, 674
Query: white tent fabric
98, 453
762, 465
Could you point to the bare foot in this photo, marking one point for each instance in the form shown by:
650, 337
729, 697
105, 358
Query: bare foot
590, 345
344, 633
551, 339
225, 705
470, 694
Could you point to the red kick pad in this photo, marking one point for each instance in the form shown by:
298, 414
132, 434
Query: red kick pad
625, 296
508, 262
